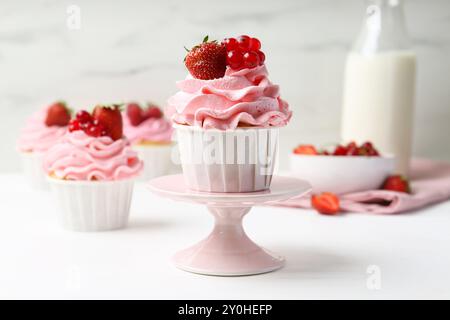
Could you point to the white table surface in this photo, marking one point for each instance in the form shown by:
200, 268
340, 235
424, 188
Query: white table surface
327, 257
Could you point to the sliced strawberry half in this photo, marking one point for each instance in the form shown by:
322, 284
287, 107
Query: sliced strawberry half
326, 203
306, 149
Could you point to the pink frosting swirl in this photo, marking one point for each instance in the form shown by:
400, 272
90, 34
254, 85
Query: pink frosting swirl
36, 136
240, 98
151, 129
81, 157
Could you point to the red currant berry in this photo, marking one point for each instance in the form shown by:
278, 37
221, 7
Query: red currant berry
102, 129
95, 129
83, 116
231, 44
235, 59
352, 149
251, 59
86, 127
367, 145
244, 42
255, 44
262, 57
132, 161
74, 125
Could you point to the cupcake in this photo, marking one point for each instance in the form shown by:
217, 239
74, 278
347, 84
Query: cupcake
150, 134
42, 130
227, 115
91, 171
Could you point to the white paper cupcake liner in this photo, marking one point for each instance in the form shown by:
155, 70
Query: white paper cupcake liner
93, 205
157, 160
33, 170
240, 160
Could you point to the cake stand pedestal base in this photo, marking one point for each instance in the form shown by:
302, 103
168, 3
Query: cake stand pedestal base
228, 251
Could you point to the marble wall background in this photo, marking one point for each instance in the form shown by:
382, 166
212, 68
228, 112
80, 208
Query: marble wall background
134, 50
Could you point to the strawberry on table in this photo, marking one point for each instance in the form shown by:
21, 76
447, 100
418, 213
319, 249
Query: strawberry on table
58, 115
396, 183
326, 203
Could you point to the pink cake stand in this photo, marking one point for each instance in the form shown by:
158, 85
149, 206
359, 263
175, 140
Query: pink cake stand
228, 251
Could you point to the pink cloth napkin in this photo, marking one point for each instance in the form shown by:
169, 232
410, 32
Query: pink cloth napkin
430, 183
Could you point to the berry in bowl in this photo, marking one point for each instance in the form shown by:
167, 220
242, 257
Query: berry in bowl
343, 168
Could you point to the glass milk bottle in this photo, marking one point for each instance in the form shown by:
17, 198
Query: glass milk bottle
378, 97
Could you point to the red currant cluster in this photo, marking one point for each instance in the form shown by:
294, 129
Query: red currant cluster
84, 121
244, 52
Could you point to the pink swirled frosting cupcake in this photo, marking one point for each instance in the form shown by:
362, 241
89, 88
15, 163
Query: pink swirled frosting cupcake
39, 134
241, 98
146, 126
151, 136
79, 156
91, 171
42, 130
150, 131
227, 114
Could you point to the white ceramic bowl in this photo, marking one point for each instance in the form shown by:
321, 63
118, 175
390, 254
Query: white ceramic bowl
341, 174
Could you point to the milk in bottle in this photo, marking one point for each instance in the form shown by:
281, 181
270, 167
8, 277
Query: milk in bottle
379, 84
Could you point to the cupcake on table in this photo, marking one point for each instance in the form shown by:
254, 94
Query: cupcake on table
41, 131
227, 115
91, 171
150, 135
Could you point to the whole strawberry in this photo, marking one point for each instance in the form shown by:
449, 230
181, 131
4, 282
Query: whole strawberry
207, 60
153, 111
396, 183
137, 115
111, 120
57, 115
134, 113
